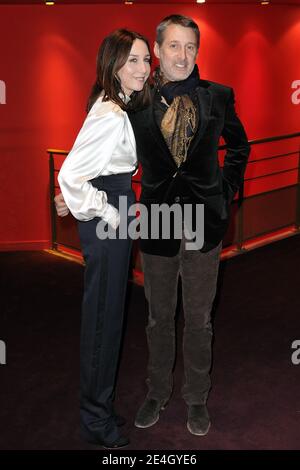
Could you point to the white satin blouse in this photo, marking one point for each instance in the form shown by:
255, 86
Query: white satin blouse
105, 145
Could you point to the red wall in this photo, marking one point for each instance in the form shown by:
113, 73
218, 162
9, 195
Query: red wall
47, 58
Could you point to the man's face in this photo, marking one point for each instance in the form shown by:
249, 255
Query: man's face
177, 53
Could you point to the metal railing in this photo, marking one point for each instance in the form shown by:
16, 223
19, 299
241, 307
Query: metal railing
240, 216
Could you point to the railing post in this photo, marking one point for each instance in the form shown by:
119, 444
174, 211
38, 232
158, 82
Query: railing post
298, 197
52, 204
240, 218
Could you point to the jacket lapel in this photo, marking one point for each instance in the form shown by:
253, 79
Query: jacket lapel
157, 136
204, 98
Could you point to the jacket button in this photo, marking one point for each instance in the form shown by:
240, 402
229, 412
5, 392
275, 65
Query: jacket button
177, 199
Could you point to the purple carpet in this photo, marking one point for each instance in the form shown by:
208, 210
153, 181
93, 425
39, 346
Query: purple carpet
255, 398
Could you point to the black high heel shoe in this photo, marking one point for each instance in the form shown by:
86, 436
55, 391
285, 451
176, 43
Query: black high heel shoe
121, 441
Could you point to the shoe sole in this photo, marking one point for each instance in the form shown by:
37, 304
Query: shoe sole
137, 425
96, 442
198, 433
115, 447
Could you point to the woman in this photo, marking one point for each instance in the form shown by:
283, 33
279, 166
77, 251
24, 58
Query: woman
96, 172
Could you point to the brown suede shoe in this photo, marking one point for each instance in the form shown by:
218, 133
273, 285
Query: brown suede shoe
148, 414
198, 420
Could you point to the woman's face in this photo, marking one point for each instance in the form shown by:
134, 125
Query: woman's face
136, 70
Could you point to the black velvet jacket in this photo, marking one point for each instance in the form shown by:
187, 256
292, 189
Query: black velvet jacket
199, 179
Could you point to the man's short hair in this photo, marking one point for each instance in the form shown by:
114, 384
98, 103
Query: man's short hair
185, 21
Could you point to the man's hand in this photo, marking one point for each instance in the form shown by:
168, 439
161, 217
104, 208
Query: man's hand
60, 205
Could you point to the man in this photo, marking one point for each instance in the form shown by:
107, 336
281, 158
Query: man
177, 140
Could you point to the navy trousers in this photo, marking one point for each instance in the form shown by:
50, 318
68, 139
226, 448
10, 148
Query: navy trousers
105, 282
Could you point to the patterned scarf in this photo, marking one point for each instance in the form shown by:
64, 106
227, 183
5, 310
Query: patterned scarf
179, 123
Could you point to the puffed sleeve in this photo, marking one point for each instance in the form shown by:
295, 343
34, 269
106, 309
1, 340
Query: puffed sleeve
90, 154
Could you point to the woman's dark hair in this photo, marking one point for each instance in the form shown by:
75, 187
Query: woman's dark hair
112, 55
